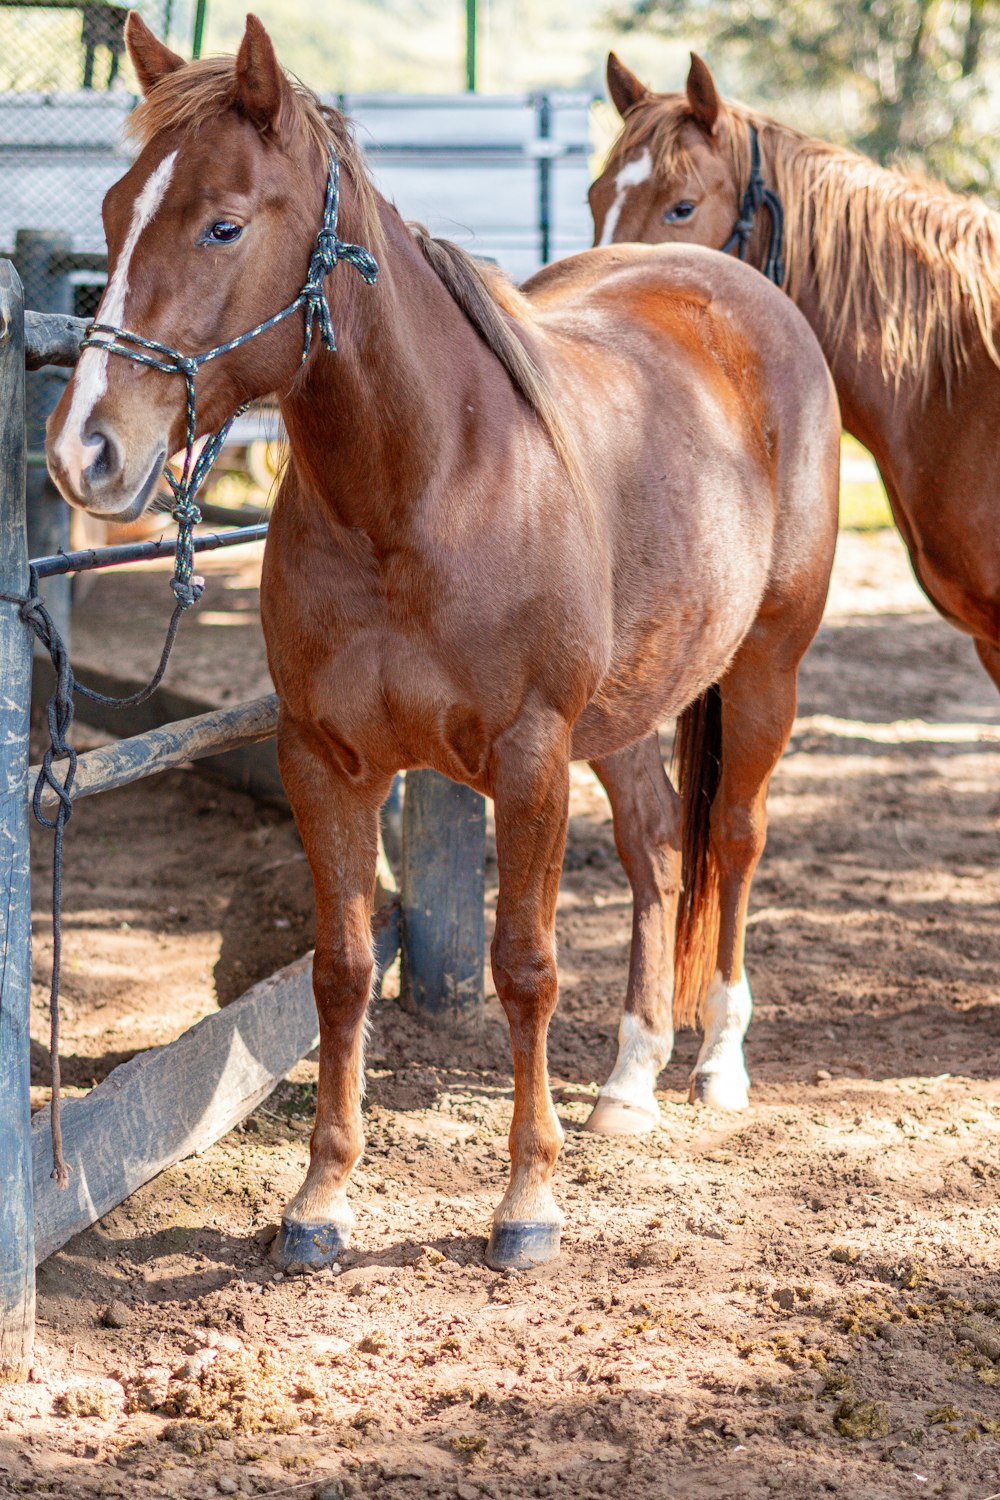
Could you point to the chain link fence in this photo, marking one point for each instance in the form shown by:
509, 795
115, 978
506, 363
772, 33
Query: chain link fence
65, 88
504, 175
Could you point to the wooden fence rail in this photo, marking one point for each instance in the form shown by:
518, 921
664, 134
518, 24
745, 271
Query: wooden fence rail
173, 745
200, 1085
17, 1225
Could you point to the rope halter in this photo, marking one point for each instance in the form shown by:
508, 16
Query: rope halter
756, 197
327, 252
187, 587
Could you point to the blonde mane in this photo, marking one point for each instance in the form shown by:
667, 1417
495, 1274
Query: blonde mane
904, 262
201, 91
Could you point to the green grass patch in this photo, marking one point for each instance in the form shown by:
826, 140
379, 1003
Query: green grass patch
863, 503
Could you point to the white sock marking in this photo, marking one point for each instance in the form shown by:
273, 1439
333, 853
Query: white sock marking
631, 175
642, 1055
728, 1008
90, 378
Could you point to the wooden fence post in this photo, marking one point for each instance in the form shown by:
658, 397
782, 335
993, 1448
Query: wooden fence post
444, 846
42, 261
17, 1254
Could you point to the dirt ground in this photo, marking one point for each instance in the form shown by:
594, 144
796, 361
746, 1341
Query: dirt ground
800, 1300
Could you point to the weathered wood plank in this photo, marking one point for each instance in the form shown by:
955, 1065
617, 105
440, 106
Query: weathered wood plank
177, 1100
129, 760
247, 768
52, 339
39, 258
17, 1274
444, 846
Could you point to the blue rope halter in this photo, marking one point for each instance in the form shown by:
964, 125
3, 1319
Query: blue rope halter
329, 249
756, 197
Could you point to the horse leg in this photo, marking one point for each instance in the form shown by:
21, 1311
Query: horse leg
758, 710
338, 824
646, 813
989, 655
531, 804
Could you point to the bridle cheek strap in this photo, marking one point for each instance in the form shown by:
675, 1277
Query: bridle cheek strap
327, 252
756, 197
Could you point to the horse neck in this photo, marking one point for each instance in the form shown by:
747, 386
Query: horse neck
873, 408
366, 425
877, 408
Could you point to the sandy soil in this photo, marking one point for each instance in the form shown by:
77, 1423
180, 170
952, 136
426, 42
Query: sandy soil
802, 1300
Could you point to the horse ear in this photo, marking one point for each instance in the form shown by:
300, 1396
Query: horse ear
260, 82
702, 95
625, 89
151, 58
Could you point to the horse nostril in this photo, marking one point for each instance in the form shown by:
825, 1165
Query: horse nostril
106, 461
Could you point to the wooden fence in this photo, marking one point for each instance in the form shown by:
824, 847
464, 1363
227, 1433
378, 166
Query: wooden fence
210, 1078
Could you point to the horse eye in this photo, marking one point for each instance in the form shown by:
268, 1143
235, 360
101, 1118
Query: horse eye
682, 210
224, 232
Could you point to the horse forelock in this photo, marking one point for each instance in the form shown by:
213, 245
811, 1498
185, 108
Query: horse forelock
188, 100
656, 124
894, 259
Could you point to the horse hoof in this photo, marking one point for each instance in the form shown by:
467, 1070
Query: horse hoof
517, 1246
300, 1247
616, 1117
718, 1091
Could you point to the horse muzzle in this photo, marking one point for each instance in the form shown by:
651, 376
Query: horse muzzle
95, 471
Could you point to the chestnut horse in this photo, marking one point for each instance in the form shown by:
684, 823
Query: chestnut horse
900, 281
514, 530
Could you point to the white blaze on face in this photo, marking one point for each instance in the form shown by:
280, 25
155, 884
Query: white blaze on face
91, 377
638, 170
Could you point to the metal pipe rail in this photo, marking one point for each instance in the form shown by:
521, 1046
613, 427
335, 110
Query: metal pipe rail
89, 558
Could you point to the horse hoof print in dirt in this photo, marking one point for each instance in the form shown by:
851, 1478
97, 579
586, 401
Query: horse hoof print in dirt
517, 528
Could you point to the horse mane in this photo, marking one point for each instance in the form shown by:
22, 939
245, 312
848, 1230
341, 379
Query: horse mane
891, 255
495, 307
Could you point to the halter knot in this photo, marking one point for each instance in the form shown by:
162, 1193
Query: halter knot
757, 196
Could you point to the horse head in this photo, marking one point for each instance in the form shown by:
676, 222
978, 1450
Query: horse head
675, 173
210, 233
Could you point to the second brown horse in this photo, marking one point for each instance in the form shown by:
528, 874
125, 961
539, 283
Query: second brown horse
899, 278
514, 530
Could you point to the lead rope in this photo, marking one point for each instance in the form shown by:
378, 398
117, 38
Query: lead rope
757, 196
187, 586
34, 613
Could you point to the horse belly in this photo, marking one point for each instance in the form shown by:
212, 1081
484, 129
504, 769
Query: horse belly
662, 665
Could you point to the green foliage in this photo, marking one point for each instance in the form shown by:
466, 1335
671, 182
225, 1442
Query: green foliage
900, 79
418, 46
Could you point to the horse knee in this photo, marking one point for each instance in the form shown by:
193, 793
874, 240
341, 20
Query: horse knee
525, 977
342, 979
738, 835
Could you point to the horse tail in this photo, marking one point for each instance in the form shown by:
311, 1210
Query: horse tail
698, 770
